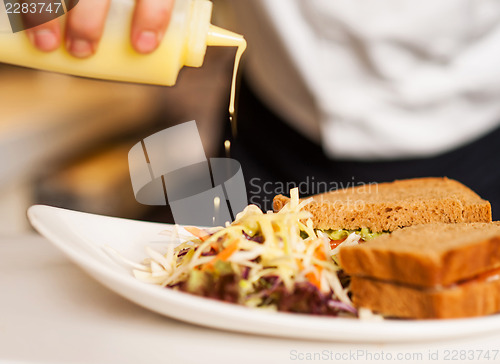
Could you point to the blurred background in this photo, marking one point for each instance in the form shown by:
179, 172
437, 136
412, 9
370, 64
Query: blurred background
64, 140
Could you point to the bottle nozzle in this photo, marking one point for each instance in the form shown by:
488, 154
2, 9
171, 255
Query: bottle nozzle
222, 37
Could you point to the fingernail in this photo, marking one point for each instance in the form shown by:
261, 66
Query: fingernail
45, 40
147, 42
80, 48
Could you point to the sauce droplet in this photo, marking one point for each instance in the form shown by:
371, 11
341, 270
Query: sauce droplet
216, 209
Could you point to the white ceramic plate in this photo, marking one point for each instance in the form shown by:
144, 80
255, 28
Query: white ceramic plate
82, 237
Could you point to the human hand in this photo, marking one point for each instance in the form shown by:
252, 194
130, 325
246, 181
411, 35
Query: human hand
85, 25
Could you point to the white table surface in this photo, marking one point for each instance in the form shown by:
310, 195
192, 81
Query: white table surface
52, 312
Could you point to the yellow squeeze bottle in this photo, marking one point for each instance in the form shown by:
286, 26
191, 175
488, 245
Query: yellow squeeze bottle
184, 44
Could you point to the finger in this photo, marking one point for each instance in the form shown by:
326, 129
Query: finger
46, 37
150, 20
85, 26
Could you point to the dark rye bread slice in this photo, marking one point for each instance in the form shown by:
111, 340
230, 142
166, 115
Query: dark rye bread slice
426, 255
389, 206
471, 298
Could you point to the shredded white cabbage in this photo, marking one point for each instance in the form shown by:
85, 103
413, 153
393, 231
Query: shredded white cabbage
352, 239
269, 245
366, 314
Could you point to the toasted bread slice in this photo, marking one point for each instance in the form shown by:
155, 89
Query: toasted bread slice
477, 297
389, 206
426, 255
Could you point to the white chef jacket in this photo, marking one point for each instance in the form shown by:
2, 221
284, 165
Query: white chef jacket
377, 79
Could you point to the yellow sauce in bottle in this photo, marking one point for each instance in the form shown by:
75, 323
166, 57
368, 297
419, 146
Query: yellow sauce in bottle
184, 44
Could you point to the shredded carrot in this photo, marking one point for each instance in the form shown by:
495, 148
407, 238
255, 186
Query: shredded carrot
320, 254
199, 233
313, 279
336, 243
223, 255
299, 264
227, 251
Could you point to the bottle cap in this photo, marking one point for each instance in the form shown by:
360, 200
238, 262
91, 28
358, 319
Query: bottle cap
222, 37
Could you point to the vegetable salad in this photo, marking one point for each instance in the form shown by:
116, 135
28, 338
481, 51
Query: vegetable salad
274, 261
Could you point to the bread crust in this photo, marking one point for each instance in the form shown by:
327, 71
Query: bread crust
426, 255
392, 205
464, 300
